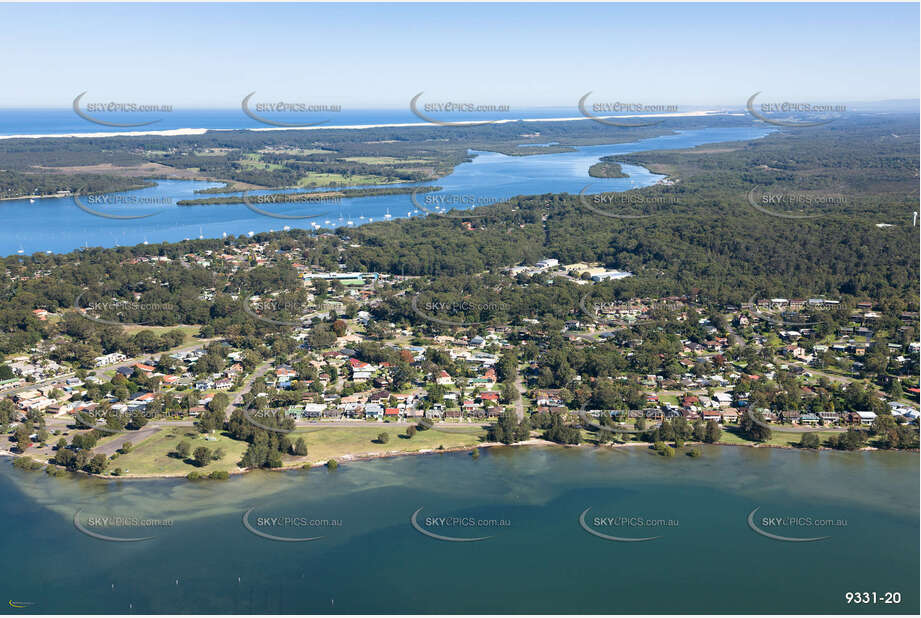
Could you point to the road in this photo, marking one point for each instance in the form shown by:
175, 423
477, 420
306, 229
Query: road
135, 437
260, 371
519, 403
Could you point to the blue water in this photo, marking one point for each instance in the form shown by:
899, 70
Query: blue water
58, 225
66, 121
710, 562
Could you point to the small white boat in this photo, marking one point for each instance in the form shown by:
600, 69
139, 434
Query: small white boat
351, 223
200, 235
387, 216
31, 201
251, 233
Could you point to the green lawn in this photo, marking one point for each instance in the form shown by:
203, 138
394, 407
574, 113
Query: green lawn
322, 179
190, 332
151, 456
778, 437
299, 152
383, 160
335, 442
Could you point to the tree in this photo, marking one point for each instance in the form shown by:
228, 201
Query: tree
97, 464
211, 419
7, 411
202, 456
508, 429
753, 427
851, 440
563, 434
895, 389
410, 431
809, 440
882, 424
126, 447
383, 438
510, 392
300, 447
138, 420
184, 449
700, 431
712, 432
219, 403
22, 437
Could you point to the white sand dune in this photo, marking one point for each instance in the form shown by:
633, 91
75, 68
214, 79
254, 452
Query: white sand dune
189, 131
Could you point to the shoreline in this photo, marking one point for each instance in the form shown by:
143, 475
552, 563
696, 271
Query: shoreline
348, 458
353, 127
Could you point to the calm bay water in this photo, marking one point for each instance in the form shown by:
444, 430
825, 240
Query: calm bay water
542, 560
58, 225
63, 121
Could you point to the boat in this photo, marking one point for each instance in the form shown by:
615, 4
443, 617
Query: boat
31, 201
287, 228
388, 216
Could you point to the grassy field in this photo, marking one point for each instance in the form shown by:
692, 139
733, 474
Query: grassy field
384, 160
254, 161
334, 442
778, 437
322, 179
190, 332
152, 455
301, 152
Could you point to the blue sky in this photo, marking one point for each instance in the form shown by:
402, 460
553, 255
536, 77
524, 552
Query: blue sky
373, 56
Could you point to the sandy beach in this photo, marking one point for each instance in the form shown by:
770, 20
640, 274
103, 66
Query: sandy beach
353, 127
